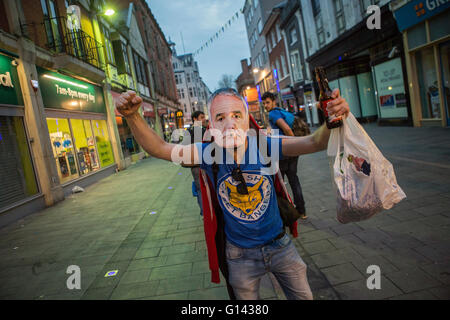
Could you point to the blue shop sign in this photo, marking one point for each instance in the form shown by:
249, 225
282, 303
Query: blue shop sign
417, 11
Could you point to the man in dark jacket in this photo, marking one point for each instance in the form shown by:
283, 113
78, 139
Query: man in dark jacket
196, 132
244, 187
283, 121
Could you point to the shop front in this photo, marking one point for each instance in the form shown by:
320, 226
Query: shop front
130, 148
18, 183
426, 35
369, 69
77, 125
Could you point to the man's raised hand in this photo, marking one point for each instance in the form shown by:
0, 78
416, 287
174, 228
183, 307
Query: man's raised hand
128, 103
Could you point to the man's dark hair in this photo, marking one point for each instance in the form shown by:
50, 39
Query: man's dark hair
197, 114
269, 95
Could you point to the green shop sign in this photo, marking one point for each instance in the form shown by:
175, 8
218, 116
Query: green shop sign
10, 92
63, 92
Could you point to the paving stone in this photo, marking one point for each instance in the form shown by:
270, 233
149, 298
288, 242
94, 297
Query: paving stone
188, 238
419, 295
169, 286
357, 290
346, 229
333, 258
344, 241
315, 235
442, 293
342, 273
191, 256
412, 280
435, 255
363, 263
219, 293
180, 248
147, 253
175, 296
103, 293
135, 290
175, 271
147, 263
439, 271
318, 247
133, 276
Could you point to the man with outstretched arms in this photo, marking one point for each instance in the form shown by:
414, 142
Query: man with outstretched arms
244, 231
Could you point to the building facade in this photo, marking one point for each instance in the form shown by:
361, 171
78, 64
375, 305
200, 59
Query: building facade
281, 83
62, 64
245, 84
426, 46
192, 91
256, 13
365, 62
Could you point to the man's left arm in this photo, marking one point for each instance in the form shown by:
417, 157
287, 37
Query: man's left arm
318, 141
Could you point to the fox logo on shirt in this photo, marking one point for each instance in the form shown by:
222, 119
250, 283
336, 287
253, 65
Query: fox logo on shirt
247, 207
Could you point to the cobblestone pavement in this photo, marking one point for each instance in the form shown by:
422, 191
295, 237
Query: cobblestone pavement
162, 255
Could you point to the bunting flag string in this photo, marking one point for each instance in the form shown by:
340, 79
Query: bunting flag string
208, 43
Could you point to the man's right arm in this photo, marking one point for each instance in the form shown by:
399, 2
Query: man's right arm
128, 105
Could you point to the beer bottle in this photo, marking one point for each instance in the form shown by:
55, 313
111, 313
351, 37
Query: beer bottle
325, 97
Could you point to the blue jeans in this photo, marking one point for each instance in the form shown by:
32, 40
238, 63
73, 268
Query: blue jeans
196, 175
247, 266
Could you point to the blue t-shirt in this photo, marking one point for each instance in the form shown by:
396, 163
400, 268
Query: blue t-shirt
254, 219
278, 113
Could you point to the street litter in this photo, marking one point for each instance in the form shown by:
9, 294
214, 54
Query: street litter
153, 212
111, 273
365, 180
77, 189
170, 188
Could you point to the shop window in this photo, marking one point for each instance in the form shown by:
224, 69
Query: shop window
104, 148
417, 36
63, 149
439, 26
428, 85
18, 180
84, 141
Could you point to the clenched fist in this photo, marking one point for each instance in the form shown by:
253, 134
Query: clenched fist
128, 103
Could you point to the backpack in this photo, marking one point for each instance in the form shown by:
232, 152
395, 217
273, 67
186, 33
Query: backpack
299, 127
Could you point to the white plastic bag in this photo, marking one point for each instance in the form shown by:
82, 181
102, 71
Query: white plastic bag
365, 180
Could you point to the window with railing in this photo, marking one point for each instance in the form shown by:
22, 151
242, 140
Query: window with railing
109, 52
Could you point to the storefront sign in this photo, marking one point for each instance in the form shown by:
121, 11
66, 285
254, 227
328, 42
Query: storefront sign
286, 94
391, 89
417, 11
10, 92
63, 92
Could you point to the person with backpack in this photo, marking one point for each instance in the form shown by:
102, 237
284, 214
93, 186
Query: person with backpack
289, 125
243, 201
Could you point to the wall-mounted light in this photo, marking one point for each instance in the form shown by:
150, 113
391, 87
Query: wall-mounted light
109, 12
65, 81
255, 70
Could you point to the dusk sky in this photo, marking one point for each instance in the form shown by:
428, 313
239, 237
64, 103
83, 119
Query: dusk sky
199, 20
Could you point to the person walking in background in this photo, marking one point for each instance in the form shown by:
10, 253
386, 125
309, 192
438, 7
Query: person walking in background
197, 131
284, 122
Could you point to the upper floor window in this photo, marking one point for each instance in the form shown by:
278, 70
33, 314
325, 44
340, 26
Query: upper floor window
367, 3
260, 26
339, 14
293, 35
